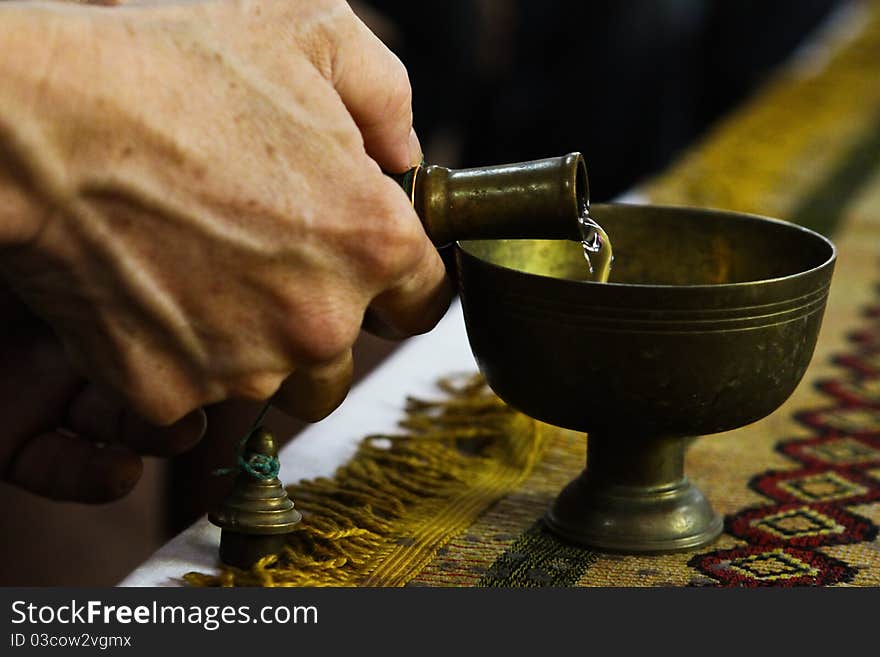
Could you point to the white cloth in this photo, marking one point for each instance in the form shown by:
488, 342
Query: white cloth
375, 405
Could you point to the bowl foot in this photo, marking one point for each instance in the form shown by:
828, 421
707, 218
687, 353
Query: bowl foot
648, 506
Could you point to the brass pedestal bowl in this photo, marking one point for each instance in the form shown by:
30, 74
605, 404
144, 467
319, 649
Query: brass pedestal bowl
708, 323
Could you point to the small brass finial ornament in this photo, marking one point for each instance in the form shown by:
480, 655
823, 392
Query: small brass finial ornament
258, 514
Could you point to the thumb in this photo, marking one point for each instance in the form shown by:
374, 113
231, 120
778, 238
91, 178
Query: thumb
375, 88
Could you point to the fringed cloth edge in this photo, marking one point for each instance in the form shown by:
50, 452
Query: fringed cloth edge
386, 513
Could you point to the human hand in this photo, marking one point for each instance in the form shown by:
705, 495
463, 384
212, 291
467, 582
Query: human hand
63, 438
206, 213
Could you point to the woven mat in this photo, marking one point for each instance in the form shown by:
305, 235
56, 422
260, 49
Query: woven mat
457, 498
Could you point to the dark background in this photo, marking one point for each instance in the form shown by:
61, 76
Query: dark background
626, 82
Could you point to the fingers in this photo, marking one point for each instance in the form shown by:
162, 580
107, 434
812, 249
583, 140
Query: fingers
415, 304
312, 393
375, 325
150, 440
98, 459
72, 468
375, 88
97, 415
410, 290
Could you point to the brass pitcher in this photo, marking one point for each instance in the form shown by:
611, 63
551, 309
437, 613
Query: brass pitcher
539, 199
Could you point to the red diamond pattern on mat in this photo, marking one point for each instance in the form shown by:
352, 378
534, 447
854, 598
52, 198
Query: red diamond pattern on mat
867, 338
755, 566
856, 392
817, 484
833, 451
842, 467
800, 525
857, 421
867, 363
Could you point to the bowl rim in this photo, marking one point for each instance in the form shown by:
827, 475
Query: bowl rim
460, 246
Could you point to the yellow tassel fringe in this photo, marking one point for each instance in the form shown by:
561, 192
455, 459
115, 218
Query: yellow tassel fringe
385, 514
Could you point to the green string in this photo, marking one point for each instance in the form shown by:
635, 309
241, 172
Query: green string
258, 466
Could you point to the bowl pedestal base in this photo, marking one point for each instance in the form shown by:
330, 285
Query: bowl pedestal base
633, 497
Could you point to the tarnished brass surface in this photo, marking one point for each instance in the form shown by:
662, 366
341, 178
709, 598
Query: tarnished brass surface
541, 198
708, 323
244, 550
257, 514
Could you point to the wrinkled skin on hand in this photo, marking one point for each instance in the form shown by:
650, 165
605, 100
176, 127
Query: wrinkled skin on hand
193, 201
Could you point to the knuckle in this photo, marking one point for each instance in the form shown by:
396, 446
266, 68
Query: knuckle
392, 242
399, 89
321, 335
165, 410
165, 403
320, 40
258, 387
